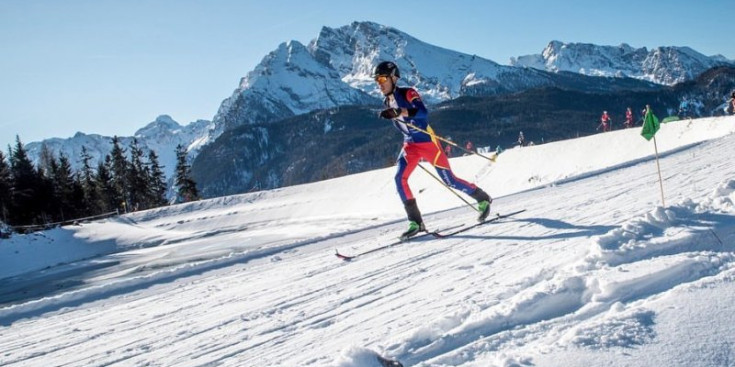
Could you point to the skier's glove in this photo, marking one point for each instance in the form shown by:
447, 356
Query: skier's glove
390, 113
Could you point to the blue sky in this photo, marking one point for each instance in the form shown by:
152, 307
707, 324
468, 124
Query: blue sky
110, 67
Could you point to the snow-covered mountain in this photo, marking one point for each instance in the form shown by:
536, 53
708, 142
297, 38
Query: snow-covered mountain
161, 136
661, 65
335, 69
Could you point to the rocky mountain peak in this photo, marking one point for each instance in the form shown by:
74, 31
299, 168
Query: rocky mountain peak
661, 65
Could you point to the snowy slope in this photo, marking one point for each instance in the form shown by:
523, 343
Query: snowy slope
596, 272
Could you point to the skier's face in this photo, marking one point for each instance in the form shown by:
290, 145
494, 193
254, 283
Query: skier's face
385, 83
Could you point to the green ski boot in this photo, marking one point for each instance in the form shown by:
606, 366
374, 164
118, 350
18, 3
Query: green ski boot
484, 208
413, 229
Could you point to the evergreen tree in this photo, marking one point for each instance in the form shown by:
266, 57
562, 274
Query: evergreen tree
46, 159
186, 187
64, 185
157, 180
138, 188
25, 208
109, 199
90, 190
119, 175
6, 185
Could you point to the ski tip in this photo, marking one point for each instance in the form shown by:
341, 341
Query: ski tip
343, 257
437, 234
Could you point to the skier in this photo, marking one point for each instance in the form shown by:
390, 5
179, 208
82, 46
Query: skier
628, 118
604, 122
521, 139
404, 107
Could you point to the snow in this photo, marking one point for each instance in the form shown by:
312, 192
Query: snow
595, 272
666, 65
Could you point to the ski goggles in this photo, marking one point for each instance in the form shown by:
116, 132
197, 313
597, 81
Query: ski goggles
381, 79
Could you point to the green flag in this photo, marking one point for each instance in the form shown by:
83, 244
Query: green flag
650, 125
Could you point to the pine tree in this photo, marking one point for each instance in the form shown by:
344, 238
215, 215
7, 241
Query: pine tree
157, 180
90, 190
119, 175
6, 185
109, 200
64, 185
25, 207
46, 207
46, 159
138, 179
186, 187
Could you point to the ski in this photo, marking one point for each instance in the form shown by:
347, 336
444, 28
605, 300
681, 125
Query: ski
394, 243
486, 221
435, 234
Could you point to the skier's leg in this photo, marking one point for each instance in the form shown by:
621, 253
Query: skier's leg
441, 164
407, 161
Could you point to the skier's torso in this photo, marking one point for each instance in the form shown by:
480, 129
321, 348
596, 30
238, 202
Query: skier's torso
408, 98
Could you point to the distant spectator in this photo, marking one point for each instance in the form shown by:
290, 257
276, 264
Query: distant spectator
448, 150
604, 122
730, 108
521, 139
628, 118
684, 109
469, 146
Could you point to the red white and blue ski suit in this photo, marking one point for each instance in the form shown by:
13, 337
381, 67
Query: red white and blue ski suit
418, 144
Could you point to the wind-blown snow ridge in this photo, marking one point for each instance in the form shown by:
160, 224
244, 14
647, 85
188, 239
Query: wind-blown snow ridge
580, 295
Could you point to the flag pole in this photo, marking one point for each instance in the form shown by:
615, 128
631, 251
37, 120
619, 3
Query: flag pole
658, 166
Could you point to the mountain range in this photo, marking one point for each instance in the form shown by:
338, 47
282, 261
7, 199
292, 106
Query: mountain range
307, 112
661, 65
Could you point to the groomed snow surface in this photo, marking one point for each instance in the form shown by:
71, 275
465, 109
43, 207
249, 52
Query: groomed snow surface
596, 272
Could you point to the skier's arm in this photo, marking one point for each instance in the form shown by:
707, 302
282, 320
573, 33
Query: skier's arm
418, 109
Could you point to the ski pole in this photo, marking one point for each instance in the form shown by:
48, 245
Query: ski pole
447, 187
449, 142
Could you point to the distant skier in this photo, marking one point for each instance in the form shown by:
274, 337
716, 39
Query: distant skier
521, 139
730, 108
628, 118
604, 122
404, 107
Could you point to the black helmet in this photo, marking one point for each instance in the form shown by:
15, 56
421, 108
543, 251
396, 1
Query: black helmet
387, 68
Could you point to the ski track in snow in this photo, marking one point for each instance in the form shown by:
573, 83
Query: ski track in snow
584, 269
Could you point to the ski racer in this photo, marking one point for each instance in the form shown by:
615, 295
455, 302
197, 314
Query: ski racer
604, 122
628, 118
403, 106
